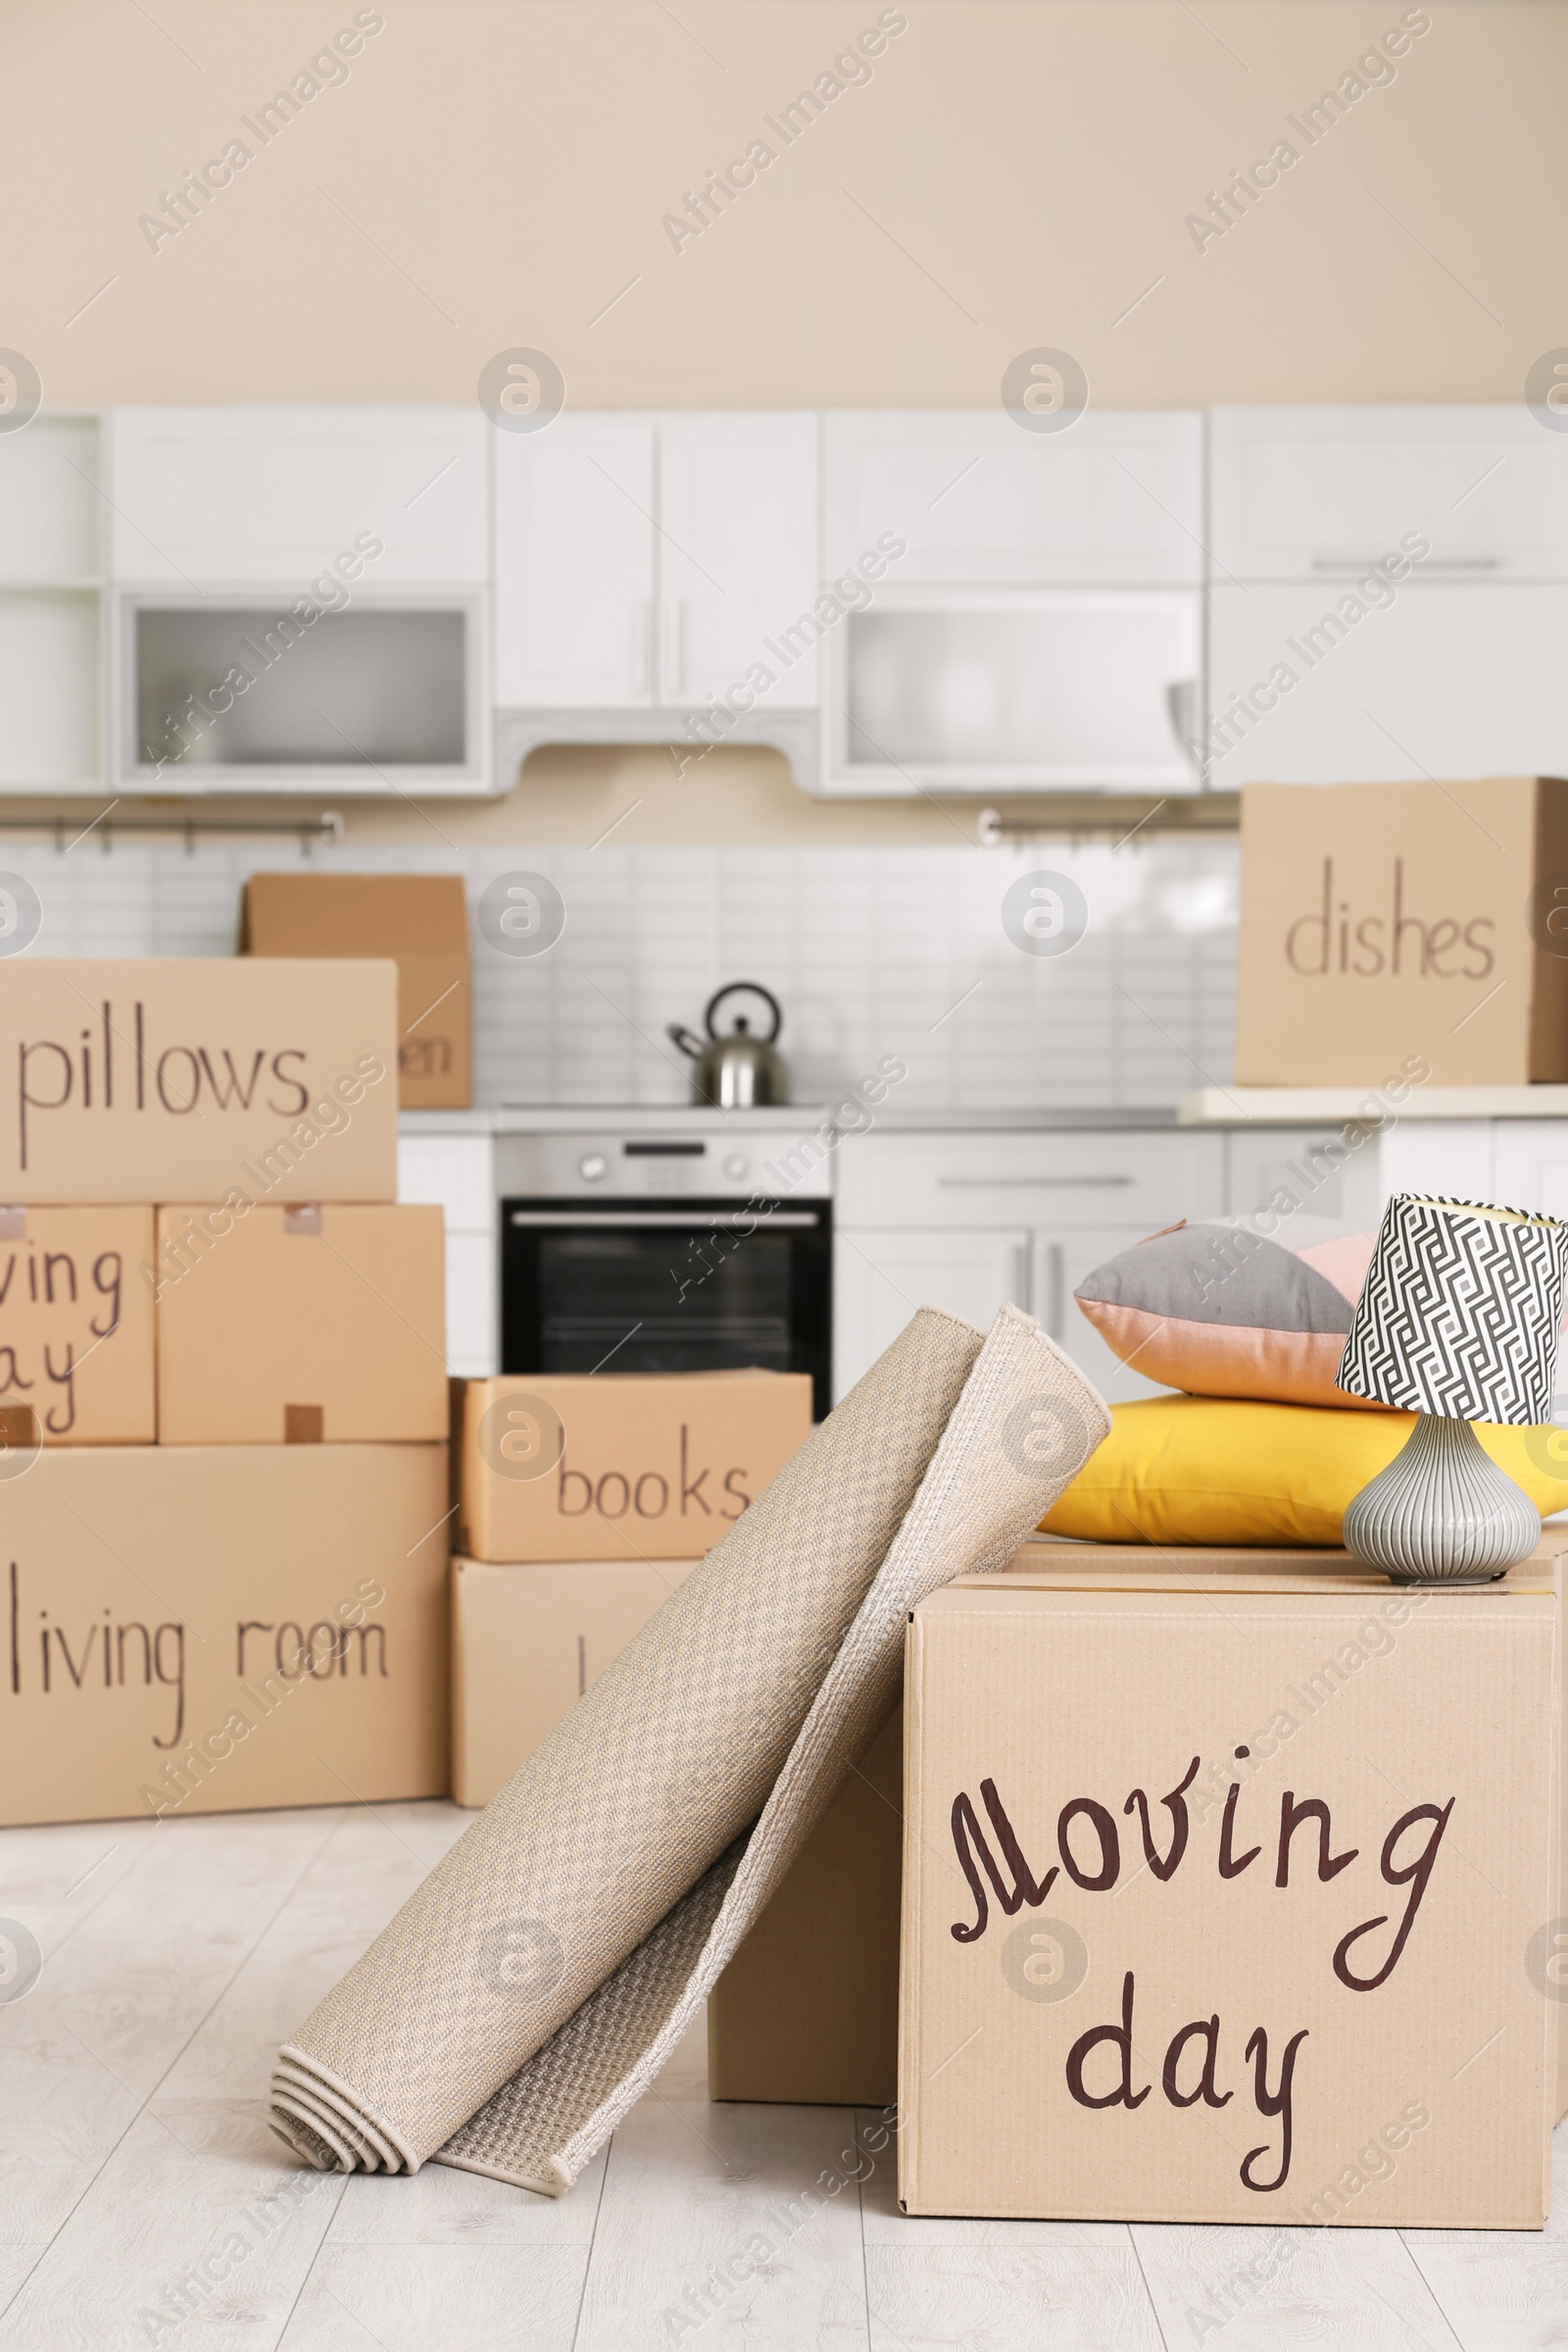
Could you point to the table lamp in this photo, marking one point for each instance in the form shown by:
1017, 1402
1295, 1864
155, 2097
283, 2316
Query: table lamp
1456, 1322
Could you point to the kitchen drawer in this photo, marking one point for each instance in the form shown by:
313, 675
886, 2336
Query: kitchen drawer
472, 1306
455, 1172
1137, 1179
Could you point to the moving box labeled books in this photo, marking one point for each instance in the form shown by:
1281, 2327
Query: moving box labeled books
632, 1465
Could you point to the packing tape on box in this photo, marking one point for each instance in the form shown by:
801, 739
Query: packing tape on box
529, 1991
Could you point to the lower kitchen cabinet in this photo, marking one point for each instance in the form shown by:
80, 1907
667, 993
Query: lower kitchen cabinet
880, 1278
456, 1173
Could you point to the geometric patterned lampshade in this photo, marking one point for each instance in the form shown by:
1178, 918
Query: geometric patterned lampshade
1460, 1312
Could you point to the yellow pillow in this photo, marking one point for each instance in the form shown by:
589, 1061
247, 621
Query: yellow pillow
1222, 1470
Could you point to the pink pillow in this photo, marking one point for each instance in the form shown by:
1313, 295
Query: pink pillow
1221, 1309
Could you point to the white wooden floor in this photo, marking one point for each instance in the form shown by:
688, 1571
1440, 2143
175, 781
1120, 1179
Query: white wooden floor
133, 2147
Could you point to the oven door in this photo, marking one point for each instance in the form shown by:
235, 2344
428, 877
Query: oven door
650, 1285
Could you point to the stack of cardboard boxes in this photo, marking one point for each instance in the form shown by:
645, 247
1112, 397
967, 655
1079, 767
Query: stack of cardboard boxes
581, 1501
223, 1396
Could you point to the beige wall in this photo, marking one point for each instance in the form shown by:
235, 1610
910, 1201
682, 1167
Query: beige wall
496, 172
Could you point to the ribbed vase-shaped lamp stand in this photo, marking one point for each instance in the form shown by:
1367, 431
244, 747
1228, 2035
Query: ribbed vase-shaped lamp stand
1442, 1513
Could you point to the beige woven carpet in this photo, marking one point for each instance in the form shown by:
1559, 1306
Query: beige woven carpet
526, 1994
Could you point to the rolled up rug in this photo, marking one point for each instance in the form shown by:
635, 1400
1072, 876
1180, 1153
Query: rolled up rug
530, 1990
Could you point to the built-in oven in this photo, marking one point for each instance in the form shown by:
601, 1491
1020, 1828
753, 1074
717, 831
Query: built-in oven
666, 1253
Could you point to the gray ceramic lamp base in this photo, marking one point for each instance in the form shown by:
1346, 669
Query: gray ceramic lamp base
1442, 1513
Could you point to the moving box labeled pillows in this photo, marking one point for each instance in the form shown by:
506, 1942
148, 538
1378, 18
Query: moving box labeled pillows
1230, 1896
632, 1465
77, 1326
324, 1322
526, 1642
187, 1078
421, 921
1414, 927
208, 1628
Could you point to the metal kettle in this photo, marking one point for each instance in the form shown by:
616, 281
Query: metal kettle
738, 1071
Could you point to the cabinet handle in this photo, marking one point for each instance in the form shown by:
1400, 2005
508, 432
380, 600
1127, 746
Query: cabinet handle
1428, 562
1013, 1184
642, 647
1055, 1290
677, 684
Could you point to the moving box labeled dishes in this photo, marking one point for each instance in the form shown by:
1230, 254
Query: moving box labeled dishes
223, 1390
1395, 925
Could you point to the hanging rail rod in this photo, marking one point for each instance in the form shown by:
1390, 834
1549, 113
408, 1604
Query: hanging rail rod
328, 827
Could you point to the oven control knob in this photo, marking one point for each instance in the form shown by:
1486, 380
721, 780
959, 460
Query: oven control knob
736, 1166
593, 1167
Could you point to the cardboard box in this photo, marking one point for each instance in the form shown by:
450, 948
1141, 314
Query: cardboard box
189, 1078
807, 2010
204, 1628
526, 1642
76, 1325
1414, 928
630, 1465
320, 1323
420, 921
1115, 2022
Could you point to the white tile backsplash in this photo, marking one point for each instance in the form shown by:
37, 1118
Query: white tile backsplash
869, 949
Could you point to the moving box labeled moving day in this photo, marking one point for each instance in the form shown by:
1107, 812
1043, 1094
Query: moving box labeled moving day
324, 1322
1391, 925
1216, 1882
191, 1078
579, 1466
76, 1324
208, 1628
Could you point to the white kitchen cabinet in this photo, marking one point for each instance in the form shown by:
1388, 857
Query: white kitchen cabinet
50, 504
1300, 493
1139, 1177
1448, 680
737, 552
966, 1221
1313, 1167
1016, 689
456, 1173
881, 1278
254, 496
575, 571
50, 606
1114, 498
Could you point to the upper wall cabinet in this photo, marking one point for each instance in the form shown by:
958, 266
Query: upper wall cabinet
272, 495
737, 552
50, 576
648, 561
574, 565
1112, 499
1447, 678
1310, 493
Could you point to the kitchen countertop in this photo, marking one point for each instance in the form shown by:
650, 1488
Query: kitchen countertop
1335, 1105
793, 1118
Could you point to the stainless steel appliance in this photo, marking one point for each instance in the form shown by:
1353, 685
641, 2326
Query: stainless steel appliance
684, 1251
735, 1069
